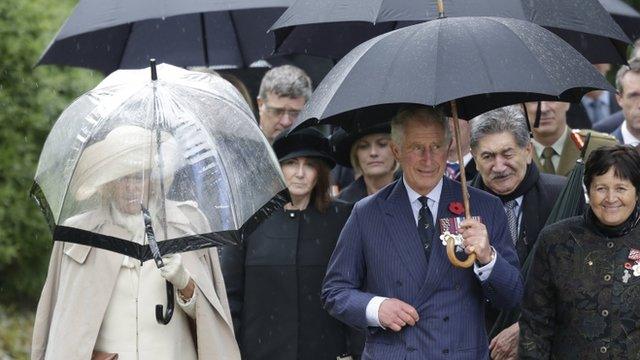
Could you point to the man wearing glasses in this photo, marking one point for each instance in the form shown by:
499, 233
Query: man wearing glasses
283, 92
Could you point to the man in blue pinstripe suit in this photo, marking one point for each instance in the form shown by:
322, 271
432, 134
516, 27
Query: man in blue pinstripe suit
389, 272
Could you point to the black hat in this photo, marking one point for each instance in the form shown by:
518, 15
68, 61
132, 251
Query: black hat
307, 142
341, 141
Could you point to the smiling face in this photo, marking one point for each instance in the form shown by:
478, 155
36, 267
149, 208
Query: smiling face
422, 153
374, 155
501, 162
611, 198
300, 175
129, 192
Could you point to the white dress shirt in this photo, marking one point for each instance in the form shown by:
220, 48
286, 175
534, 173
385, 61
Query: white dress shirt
433, 201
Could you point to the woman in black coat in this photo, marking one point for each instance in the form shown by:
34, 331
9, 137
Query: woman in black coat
581, 297
273, 281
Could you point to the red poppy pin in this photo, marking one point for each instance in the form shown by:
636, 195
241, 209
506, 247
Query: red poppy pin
456, 208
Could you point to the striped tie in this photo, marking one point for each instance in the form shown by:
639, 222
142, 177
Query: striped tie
512, 219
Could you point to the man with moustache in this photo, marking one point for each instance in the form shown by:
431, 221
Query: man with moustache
553, 150
390, 273
502, 150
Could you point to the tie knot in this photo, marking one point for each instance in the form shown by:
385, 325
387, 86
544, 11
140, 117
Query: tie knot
511, 204
548, 152
423, 200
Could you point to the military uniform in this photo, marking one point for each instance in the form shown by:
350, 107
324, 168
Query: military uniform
570, 152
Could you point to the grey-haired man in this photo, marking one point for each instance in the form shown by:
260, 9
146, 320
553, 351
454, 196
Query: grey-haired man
283, 92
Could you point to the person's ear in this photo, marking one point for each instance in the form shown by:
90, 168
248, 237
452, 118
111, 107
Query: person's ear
395, 149
529, 151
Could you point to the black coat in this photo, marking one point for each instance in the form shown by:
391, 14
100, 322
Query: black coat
273, 285
536, 207
356, 191
580, 301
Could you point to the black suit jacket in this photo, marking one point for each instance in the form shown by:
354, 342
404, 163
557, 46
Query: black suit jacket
578, 118
536, 207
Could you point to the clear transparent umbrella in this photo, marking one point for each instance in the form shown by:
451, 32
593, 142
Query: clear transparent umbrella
182, 155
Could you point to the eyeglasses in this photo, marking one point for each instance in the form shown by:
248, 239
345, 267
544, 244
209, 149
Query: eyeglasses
279, 112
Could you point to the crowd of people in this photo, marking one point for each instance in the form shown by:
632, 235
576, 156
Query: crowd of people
354, 266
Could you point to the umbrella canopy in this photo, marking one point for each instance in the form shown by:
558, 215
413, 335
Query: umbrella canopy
334, 27
625, 15
183, 149
483, 63
111, 35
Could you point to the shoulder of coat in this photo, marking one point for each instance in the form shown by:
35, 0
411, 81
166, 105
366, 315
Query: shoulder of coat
596, 135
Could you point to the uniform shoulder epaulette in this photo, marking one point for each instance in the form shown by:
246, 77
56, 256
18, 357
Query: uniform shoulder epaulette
595, 134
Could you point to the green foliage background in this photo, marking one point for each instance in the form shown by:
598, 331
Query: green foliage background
30, 101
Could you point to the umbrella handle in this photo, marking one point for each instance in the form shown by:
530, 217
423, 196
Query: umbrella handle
451, 254
162, 317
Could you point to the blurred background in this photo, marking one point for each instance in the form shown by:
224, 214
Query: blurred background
30, 101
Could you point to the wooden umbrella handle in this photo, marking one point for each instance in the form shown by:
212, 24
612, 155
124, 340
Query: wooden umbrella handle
451, 254
465, 194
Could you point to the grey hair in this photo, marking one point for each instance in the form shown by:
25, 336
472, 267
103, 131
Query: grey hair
286, 81
634, 66
509, 119
420, 112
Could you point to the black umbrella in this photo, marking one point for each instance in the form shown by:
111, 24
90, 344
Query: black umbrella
110, 35
334, 27
625, 15
469, 65
483, 63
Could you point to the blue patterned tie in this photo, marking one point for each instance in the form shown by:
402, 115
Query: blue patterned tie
425, 226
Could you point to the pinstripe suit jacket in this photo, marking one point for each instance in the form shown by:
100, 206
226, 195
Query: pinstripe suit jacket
379, 253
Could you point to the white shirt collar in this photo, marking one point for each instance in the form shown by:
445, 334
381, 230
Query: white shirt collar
433, 199
627, 137
433, 195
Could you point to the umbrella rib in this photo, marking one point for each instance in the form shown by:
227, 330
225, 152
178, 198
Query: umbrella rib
235, 31
203, 29
124, 48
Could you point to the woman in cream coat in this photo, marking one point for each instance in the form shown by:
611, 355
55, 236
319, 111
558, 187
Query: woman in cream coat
95, 300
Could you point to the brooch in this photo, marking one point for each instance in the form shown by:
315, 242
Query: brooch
631, 266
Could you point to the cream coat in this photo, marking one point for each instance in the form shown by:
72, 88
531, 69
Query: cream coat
81, 279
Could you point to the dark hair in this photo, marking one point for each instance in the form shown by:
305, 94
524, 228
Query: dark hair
624, 159
320, 195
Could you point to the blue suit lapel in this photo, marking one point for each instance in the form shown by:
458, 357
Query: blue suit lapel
402, 230
439, 265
